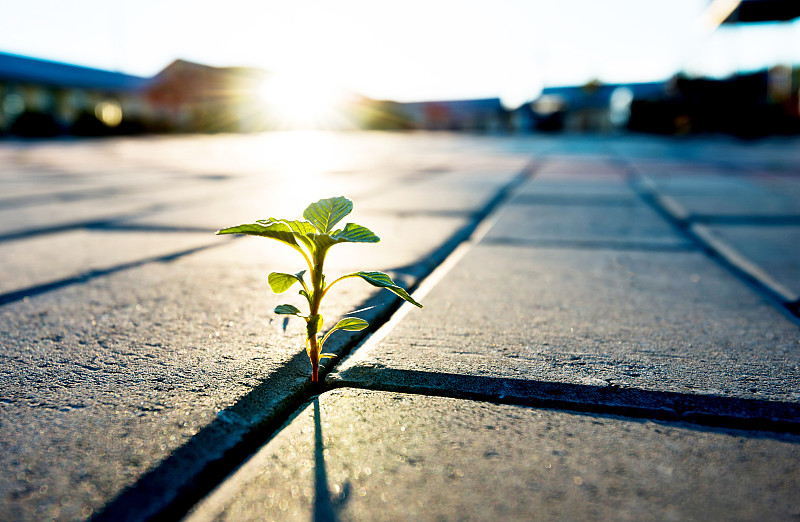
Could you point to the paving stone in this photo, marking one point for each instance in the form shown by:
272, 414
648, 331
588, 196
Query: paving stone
153, 370
50, 259
774, 249
363, 455
649, 330
140, 377
716, 196
590, 220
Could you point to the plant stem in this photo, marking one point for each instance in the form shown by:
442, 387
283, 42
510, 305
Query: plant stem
317, 283
313, 354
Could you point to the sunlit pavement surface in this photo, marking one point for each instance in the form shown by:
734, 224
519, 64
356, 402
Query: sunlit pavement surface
610, 329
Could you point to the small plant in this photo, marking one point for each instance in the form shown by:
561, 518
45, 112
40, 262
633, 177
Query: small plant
312, 239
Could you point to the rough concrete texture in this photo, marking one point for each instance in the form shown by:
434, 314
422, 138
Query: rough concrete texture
132, 360
648, 330
363, 455
719, 195
617, 322
136, 348
74, 253
589, 220
776, 249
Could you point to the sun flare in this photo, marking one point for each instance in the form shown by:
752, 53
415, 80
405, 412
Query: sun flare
302, 101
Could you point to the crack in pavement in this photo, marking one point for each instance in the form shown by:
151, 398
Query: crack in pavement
32, 291
206, 460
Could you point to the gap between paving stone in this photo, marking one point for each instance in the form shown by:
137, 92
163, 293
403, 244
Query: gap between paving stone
605, 398
135, 502
94, 224
362, 454
32, 291
785, 300
602, 398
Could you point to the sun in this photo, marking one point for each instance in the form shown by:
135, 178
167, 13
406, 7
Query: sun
302, 101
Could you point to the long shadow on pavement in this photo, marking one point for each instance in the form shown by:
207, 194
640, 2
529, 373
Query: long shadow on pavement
168, 491
701, 410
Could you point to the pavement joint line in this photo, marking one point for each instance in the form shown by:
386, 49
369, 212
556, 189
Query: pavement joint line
32, 200
580, 398
567, 200
592, 244
743, 264
212, 506
723, 254
84, 277
473, 237
747, 220
235, 451
115, 226
77, 225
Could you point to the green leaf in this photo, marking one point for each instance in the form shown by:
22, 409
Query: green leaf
274, 230
382, 280
287, 309
301, 227
353, 233
327, 356
351, 324
306, 295
322, 242
314, 326
301, 230
325, 213
280, 282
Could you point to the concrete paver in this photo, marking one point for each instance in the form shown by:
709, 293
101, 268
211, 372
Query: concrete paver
124, 386
511, 319
775, 250
141, 374
49, 258
587, 220
364, 455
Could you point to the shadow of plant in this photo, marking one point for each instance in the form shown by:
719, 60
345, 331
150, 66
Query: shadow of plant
326, 508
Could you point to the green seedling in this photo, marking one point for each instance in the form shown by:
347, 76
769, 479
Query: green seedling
312, 239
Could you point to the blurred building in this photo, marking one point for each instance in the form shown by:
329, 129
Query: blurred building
481, 115
44, 98
191, 97
754, 104
593, 107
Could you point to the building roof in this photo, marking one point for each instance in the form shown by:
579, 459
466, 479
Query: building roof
757, 11
599, 94
22, 69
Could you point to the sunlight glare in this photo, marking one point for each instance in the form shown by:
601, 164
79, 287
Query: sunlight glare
302, 101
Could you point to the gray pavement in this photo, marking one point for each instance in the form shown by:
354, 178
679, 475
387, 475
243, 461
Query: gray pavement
366, 455
646, 283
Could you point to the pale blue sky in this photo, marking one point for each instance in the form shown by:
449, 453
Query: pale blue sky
410, 50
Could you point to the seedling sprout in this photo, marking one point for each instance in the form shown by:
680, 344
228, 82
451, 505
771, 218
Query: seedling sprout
313, 238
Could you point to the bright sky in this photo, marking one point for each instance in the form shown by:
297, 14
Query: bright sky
410, 50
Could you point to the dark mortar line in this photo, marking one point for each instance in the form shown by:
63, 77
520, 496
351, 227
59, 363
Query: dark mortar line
33, 200
590, 244
32, 291
791, 310
581, 200
56, 229
155, 497
746, 220
117, 226
404, 214
210, 455
615, 401
99, 224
